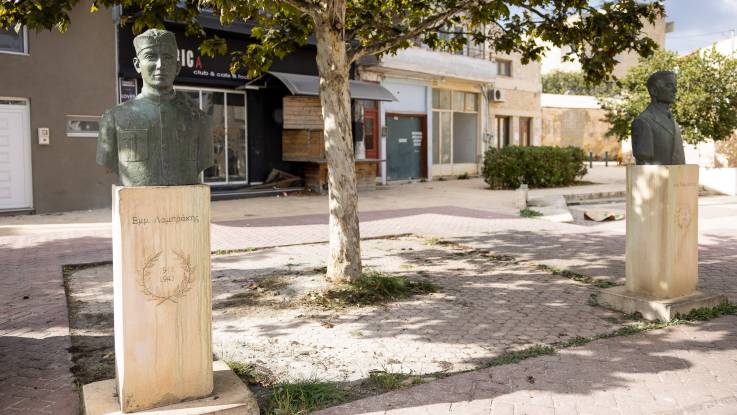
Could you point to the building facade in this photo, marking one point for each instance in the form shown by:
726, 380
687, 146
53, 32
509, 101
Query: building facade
53, 89
450, 108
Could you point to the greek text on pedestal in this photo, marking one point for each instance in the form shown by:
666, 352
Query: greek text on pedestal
137, 220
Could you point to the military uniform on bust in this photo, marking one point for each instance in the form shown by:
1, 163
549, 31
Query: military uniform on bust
159, 138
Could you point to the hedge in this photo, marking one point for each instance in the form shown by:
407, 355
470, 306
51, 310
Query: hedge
538, 166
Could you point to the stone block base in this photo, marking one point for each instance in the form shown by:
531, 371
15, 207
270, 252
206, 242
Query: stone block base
618, 298
229, 397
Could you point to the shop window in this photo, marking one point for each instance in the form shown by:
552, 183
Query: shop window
228, 113
455, 126
503, 67
14, 42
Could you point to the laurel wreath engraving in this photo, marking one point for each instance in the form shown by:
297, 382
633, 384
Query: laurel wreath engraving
184, 286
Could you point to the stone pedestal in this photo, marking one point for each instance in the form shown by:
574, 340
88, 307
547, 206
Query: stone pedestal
229, 397
661, 251
162, 299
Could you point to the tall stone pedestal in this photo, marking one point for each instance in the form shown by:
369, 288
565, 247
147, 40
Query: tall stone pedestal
162, 300
661, 251
162, 310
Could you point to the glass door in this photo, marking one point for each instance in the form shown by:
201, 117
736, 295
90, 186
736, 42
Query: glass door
228, 112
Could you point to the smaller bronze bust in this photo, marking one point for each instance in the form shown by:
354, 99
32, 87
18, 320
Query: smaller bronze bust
656, 137
159, 138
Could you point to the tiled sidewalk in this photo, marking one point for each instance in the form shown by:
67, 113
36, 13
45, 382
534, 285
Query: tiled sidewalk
34, 362
678, 370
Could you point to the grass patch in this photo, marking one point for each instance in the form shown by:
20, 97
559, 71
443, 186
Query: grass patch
699, 314
435, 241
463, 176
303, 396
382, 381
585, 279
251, 374
529, 213
232, 251
372, 288
520, 355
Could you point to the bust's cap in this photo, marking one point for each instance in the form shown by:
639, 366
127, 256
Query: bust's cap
154, 37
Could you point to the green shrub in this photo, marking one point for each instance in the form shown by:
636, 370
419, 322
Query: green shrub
538, 166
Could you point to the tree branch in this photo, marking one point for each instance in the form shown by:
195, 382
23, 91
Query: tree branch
305, 6
383, 45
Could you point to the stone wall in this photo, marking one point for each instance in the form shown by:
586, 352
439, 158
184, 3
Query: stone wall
579, 127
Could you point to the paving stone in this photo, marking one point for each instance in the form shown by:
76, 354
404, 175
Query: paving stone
34, 332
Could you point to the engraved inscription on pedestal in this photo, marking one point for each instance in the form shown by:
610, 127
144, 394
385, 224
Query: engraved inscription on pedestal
161, 247
662, 235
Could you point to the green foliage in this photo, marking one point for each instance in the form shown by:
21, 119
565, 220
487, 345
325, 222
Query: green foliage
529, 213
701, 314
372, 288
370, 27
537, 166
575, 83
705, 104
302, 397
384, 381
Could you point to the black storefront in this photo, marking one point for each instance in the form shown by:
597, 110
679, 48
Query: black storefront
247, 124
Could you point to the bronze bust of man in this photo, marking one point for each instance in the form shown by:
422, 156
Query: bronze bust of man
656, 137
159, 138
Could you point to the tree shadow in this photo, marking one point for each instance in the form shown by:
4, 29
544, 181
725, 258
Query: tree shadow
613, 372
368, 216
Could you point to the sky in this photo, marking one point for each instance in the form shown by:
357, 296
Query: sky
699, 23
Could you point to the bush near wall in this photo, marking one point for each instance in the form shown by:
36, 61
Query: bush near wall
538, 166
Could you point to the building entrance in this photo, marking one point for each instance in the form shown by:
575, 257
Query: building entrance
15, 155
229, 128
404, 146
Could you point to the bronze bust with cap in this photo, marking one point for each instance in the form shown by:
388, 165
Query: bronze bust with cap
159, 138
656, 137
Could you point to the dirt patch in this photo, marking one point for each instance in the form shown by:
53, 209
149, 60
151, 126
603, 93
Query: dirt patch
487, 304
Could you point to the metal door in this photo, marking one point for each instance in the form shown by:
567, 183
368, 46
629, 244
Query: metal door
403, 147
15, 156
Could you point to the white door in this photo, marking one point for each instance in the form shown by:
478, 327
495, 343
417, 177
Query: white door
15, 155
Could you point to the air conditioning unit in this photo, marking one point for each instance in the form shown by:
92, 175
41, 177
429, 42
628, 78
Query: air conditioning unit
496, 95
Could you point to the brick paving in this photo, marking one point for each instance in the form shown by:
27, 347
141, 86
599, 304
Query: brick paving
679, 370
34, 332
486, 305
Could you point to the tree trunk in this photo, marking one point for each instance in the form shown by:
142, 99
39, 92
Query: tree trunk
344, 261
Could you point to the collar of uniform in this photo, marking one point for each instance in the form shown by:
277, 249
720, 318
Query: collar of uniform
156, 96
662, 109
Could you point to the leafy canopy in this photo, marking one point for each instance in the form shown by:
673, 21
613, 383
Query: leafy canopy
705, 102
574, 83
595, 32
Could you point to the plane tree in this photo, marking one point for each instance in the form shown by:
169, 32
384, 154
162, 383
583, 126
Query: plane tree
347, 30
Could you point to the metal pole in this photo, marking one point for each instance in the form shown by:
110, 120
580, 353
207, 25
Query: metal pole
606, 159
591, 160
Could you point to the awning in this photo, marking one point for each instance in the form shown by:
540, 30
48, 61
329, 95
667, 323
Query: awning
310, 85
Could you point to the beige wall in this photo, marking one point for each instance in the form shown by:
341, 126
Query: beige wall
629, 60
579, 127
66, 74
522, 92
